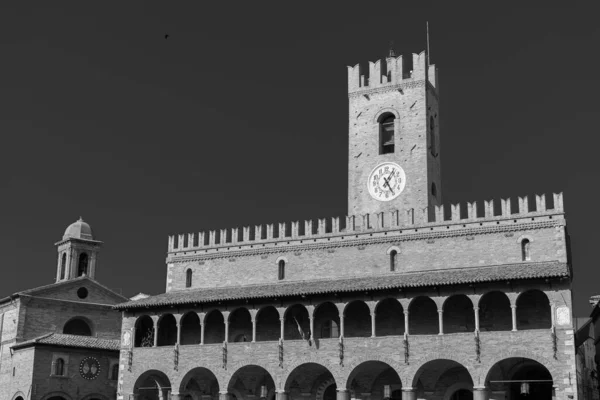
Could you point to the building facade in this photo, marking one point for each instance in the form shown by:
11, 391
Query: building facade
61, 341
402, 299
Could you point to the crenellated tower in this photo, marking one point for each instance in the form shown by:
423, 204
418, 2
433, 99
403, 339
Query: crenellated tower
77, 252
394, 151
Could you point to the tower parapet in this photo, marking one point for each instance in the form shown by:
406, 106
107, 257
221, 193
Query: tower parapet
398, 72
454, 218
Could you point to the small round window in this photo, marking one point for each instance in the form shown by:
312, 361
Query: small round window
82, 293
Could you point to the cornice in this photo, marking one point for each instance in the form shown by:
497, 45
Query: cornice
388, 88
389, 236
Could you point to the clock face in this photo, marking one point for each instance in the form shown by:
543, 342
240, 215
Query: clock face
89, 368
386, 181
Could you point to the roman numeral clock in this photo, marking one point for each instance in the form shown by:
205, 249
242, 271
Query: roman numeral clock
386, 181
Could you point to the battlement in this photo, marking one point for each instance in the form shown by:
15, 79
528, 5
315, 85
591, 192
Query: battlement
397, 71
438, 215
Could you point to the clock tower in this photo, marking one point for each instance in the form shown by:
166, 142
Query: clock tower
394, 151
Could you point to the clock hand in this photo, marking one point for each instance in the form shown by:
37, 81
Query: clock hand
388, 185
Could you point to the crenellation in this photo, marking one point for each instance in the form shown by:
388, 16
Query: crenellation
394, 68
523, 205
375, 73
361, 223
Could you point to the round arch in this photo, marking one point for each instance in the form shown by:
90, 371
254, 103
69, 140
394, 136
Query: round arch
494, 311
444, 363
190, 328
263, 379
375, 374
552, 367
268, 325
200, 381
57, 396
294, 382
296, 322
518, 370
18, 396
152, 385
389, 317
382, 113
326, 317
533, 310
357, 321
79, 325
240, 325
214, 327
323, 387
455, 388
144, 331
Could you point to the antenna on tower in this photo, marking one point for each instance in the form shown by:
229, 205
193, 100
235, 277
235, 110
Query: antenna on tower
392, 52
427, 27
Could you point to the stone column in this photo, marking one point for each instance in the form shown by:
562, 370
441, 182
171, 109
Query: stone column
179, 332
201, 332
253, 328
227, 330
406, 322
476, 311
281, 395
223, 395
282, 321
342, 325
514, 317
552, 313
312, 327
373, 324
342, 394
480, 393
176, 396
155, 331
441, 321
409, 394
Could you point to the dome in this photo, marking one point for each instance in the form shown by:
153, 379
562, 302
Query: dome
79, 230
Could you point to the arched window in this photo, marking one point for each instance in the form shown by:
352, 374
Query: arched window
281, 272
386, 134
525, 244
63, 266
59, 367
82, 269
114, 372
188, 278
393, 260
432, 136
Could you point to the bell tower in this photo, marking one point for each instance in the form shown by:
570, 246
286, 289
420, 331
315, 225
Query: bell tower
394, 151
77, 252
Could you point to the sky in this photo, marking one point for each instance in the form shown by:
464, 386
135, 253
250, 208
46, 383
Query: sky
229, 120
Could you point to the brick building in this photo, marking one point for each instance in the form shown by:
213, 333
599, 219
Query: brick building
61, 341
402, 299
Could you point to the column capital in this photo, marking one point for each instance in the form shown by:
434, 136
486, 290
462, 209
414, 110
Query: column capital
476, 308
513, 306
280, 391
223, 392
479, 388
440, 311
408, 389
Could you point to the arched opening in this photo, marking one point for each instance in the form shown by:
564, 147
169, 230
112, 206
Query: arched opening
59, 367
252, 381
214, 327
152, 385
281, 270
188, 278
77, 326
441, 378
199, 383
525, 250
494, 312
144, 332
297, 324
423, 316
268, 326
433, 146
357, 319
114, 372
326, 321
375, 377
63, 265
389, 318
167, 331
533, 310
240, 325
310, 378
393, 260
459, 315
190, 329
82, 268
517, 376
386, 134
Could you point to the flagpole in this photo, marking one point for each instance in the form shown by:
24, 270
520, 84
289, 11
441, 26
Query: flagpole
427, 26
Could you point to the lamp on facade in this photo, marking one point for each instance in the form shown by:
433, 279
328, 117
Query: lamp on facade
263, 391
524, 388
387, 392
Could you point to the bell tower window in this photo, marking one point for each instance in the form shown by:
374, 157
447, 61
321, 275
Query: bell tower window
386, 134
82, 268
63, 266
281, 272
188, 278
393, 260
525, 244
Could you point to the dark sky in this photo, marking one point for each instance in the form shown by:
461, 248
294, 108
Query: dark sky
234, 118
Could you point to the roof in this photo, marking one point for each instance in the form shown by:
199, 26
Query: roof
380, 282
79, 230
37, 290
61, 339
